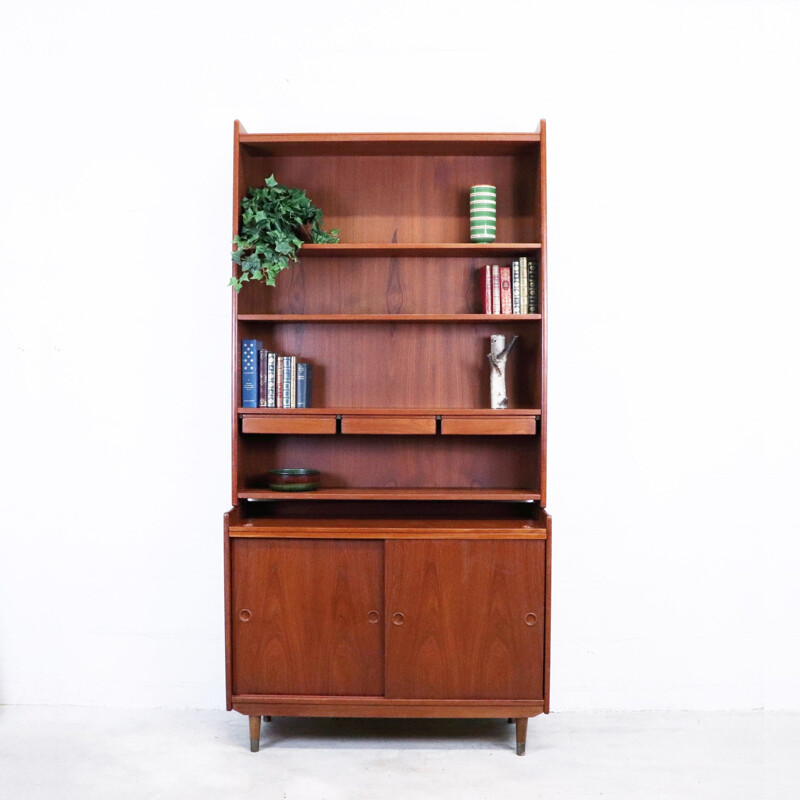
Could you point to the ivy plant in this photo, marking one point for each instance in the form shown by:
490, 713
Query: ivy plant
273, 219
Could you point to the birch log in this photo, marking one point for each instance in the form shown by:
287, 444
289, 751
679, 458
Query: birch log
498, 358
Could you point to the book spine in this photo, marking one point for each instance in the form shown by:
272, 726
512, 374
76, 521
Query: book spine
309, 384
287, 382
505, 290
486, 288
516, 305
262, 378
301, 385
278, 381
495, 289
250, 348
533, 287
271, 380
523, 284
293, 386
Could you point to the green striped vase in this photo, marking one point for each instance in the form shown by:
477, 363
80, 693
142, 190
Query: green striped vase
482, 213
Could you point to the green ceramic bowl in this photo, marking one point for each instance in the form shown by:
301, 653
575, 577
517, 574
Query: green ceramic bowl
293, 480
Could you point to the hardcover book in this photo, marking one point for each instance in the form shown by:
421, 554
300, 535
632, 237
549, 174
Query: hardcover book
515, 288
286, 390
486, 288
263, 357
278, 381
250, 348
271, 380
495, 289
505, 290
523, 285
533, 288
293, 384
304, 374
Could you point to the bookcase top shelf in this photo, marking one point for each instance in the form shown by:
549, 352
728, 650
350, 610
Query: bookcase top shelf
383, 144
302, 318
393, 493
418, 249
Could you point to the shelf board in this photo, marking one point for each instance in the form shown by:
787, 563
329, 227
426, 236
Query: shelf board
382, 144
399, 412
303, 318
464, 249
392, 493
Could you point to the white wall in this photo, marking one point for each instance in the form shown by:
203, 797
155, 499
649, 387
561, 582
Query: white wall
673, 211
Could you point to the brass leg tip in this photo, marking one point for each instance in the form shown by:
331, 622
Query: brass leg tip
520, 749
254, 745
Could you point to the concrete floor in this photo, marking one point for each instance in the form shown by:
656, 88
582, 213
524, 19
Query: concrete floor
85, 753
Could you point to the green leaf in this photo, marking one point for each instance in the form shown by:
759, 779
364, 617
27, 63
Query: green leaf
271, 182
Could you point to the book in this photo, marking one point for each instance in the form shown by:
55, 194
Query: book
495, 289
486, 288
523, 285
505, 290
278, 381
304, 373
286, 390
533, 287
293, 384
271, 380
515, 288
263, 356
250, 348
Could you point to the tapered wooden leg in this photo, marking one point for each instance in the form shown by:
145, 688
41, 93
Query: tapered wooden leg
255, 732
522, 734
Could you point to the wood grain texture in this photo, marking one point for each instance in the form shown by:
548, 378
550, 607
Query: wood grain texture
281, 705
489, 426
227, 588
396, 462
316, 144
288, 423
464, 633
414, 199
392, 365
488, 413
363, 285
548, 610
438, 249
541, 206
392, 425
395, 494
300, 617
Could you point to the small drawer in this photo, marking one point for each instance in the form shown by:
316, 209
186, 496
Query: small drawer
389, 425
288, 423
489, 426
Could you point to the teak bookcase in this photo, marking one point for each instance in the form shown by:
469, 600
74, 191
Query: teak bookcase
415, 582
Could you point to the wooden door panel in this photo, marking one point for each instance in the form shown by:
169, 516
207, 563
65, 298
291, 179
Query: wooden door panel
465, 619
307, 617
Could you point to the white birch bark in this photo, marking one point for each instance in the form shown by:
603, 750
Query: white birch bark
498, 358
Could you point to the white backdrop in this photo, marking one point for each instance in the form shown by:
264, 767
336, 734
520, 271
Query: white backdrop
673, 174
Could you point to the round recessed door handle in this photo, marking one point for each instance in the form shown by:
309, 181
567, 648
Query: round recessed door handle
530, 619
398, 618
373, 616
245, 614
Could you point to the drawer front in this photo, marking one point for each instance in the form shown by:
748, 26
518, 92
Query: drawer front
389, 425
489, 426
288, 424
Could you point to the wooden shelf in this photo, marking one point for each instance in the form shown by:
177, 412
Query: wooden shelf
474, 318
432, 249
378, 144
393, 493
400, 412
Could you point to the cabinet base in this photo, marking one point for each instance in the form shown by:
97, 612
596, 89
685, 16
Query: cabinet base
256, 707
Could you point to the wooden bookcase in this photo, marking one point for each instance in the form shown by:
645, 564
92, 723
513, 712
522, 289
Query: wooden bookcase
415, 582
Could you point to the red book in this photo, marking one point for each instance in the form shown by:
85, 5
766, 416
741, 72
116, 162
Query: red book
486, 288
495, 289
505, 291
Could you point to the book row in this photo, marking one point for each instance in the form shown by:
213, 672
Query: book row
271, 380
510, 289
